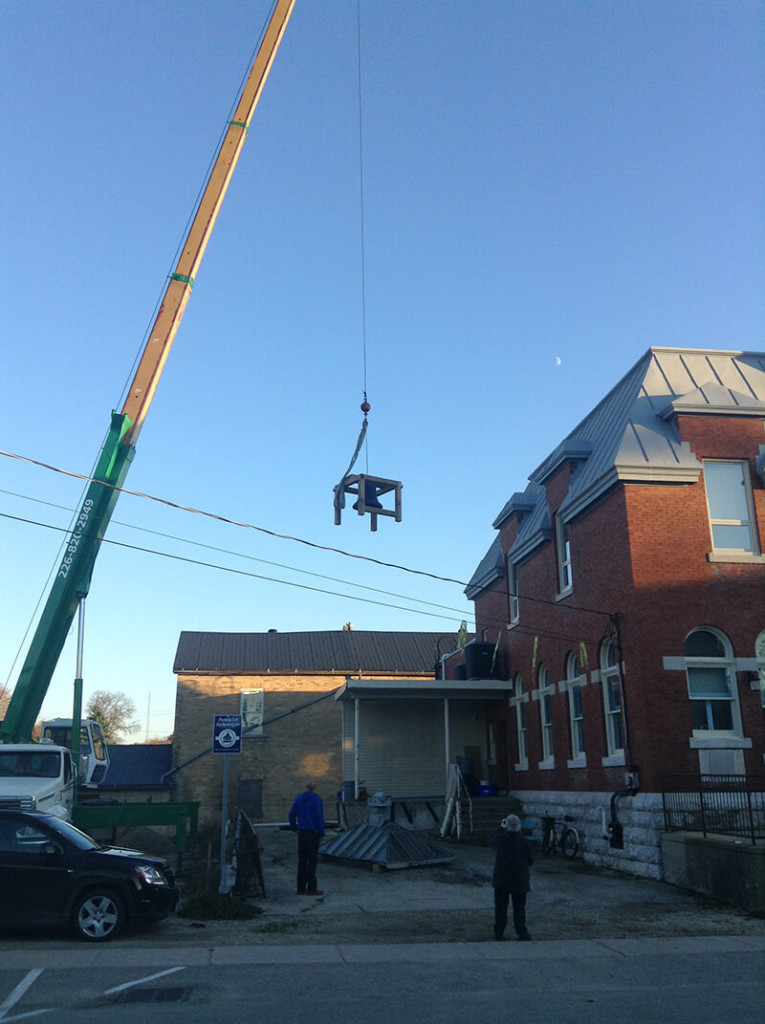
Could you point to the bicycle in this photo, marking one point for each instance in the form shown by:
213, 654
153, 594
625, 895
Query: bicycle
566, 839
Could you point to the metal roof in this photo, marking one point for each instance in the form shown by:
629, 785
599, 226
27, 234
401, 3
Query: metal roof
456, 689
387, 844
334, 651
138, 766
631, 436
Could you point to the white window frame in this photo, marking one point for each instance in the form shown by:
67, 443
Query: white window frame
610, 681
727, 663
748, 522
513, 603
563, 554
575, 680
759, 650
545, 692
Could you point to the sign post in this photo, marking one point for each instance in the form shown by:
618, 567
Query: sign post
227, 739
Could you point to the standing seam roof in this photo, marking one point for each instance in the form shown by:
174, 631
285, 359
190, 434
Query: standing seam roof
340, 651
633, 436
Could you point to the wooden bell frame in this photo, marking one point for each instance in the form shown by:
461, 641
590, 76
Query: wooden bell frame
357, 484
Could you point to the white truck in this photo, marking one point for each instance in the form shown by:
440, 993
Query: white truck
42, 776
37, 777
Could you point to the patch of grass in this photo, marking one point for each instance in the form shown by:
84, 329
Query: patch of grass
211, 906
280, 927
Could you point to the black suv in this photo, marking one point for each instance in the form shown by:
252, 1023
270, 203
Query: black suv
53, 874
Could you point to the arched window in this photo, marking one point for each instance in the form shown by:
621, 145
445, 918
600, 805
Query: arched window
709, 668
520, 717
574, 682
612, 698
545, 711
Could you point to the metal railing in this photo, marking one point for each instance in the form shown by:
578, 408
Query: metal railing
730, 805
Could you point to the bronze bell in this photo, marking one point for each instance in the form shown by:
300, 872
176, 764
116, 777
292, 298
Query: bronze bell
370, 497
368, 491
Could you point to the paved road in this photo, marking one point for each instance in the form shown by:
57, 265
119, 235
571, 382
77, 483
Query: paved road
691, 980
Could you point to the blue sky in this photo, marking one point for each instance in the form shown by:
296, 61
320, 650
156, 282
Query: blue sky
549, 189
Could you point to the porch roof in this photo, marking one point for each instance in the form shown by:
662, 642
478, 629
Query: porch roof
433, 689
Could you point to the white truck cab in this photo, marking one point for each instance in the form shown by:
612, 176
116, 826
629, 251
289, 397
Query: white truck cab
37, 777
94, 753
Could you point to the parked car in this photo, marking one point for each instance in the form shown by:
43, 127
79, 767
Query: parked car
51, 873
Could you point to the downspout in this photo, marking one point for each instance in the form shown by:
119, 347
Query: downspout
631, 777
615, 828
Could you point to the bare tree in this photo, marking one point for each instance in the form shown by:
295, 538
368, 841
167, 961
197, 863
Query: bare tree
114, 712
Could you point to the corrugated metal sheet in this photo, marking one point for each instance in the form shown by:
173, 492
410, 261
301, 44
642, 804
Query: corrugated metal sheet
387, 844
401, 747
631, 436
339, 651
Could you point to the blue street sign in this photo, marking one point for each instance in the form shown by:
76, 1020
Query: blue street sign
227, 734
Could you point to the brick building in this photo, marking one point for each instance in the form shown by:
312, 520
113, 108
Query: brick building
625, 594
298, 696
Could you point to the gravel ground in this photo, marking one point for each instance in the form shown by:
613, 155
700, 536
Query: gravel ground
437, 903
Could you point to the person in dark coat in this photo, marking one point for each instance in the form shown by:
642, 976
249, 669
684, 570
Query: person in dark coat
512, 878
306, 817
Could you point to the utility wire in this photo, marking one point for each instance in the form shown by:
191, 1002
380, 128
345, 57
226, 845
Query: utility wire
283, 536
540, 631
229, 569
227, 551
231, 522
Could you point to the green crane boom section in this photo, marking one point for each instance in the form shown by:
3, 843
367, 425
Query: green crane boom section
72, 581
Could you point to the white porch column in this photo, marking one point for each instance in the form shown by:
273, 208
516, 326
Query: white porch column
447, 739
356, 713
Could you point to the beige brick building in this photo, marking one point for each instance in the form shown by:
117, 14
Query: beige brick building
285, 686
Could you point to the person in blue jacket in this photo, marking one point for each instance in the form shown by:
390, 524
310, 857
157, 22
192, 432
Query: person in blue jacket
306, 817
512, 878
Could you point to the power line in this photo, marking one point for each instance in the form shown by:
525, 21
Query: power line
283, 536
527, 630
234, 571
235, 554
231, 522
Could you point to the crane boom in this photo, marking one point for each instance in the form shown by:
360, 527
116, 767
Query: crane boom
178, 290
72, 581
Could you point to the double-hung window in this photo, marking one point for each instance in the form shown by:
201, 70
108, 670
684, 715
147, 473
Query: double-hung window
731, 511
612, 699
574, 682
565, 577
710, 670
545, 711
513, 606
520, 718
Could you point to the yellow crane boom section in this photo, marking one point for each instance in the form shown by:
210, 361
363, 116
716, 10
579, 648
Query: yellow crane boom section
177, 294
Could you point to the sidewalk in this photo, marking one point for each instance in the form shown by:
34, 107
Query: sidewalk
116, 954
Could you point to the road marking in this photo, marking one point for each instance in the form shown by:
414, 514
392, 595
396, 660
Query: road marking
141, 981
10, 1000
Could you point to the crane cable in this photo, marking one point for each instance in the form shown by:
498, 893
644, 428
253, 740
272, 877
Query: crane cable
365, 406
